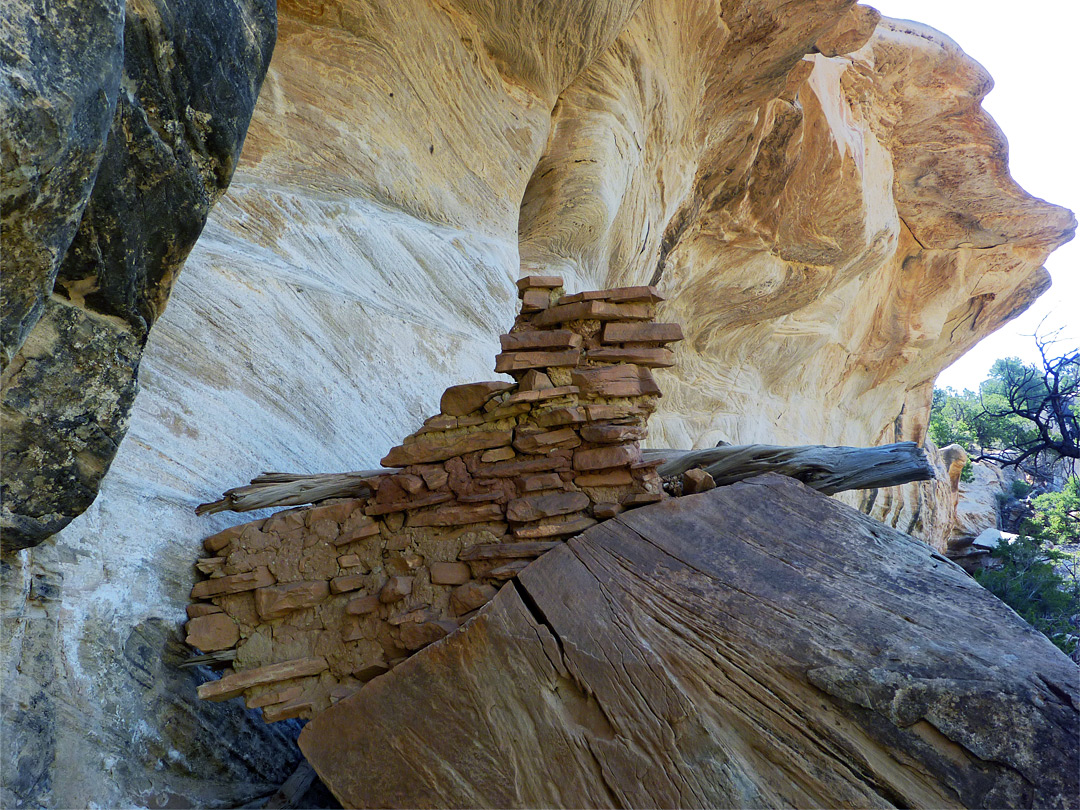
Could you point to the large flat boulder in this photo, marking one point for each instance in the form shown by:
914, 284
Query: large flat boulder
757, 645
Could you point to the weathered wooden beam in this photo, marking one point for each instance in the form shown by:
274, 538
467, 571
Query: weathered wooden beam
827, 469
291, 489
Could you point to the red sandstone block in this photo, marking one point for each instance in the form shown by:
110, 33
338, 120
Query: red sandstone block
594, 311
520, 361
534, 300
600, 458
546, 282
537, 339
537, 507
276, 601
237, 583
624, 380
461, 400
650, 358
642, 332
449, 573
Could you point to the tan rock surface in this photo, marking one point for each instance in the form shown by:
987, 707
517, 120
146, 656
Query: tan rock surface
977, 505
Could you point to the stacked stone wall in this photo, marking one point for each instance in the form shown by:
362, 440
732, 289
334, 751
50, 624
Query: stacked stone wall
311, 603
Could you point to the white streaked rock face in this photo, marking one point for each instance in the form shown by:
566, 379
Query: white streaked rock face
830, 232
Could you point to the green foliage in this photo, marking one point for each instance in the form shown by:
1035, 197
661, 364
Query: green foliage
967, 473
1057, 514
1022, 412
1020, 489
962, 417
1026, 581
952, 418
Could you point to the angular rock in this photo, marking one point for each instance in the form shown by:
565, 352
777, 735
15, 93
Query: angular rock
537, 507
425, 450
217, 542
280, 600
695, 481
612, 434
498, 454
377, 509
272, 696
449, 573
461, 400
672, 599
542, 442
642, 332
362, 605
594, 311
617, 295
539, 282
601, 458
456, 516
603, 511
649, 358
510, 469
498, 551
536, 483
344, 584
197, 609
609, 478
419, 634
234, 685
356, 527
287, 711
520, 361
615, 381
554, 528
410, 483
468, 597
535, 300
215, 631
640, 499
534, 380
237, 583
508, 570
395, 589
434, 477
548, 339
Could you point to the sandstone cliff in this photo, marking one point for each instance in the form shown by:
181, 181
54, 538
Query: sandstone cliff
818, 194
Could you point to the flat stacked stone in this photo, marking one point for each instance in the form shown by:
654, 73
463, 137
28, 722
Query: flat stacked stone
314, 601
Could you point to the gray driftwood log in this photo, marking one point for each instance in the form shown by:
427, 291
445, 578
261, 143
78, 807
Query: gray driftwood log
292, 489
757, 645
827, 469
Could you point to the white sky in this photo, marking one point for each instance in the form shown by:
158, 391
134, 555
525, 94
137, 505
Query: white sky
1030, 49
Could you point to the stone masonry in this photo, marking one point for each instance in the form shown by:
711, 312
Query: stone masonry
312, 602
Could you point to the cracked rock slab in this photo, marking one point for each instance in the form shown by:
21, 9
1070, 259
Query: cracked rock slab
697, 653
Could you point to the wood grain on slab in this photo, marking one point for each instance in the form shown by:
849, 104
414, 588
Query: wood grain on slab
758, 645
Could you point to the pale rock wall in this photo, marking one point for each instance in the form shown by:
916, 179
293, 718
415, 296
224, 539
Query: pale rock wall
977, 508
830, 232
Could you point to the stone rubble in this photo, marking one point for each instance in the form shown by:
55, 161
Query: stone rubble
317, 600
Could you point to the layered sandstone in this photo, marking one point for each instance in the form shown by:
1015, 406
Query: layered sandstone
822, 201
